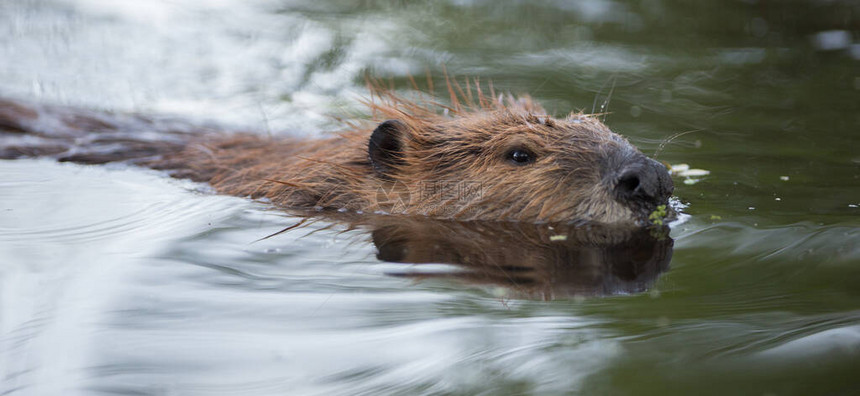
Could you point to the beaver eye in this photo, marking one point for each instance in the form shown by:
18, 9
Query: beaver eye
521, 157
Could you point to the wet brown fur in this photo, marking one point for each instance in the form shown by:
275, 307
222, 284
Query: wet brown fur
453, 162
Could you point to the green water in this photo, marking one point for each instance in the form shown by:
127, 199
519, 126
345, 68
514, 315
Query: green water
762, 295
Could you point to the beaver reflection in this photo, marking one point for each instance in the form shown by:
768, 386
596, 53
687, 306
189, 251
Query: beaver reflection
538, 261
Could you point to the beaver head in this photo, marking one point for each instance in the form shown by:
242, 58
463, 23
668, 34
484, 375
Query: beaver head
514, 163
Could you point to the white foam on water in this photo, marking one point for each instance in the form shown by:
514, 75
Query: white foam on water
230, 61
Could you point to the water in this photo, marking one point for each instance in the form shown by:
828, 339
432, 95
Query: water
120, 280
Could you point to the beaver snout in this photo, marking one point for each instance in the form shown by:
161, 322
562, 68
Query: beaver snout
643, 182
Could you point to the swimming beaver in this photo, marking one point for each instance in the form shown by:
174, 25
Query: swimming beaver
486, 159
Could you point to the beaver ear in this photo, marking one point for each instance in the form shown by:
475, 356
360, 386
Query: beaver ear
385, 149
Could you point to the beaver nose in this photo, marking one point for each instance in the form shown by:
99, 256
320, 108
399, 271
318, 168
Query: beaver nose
644, 180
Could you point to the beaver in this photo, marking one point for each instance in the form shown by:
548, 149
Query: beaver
480, 158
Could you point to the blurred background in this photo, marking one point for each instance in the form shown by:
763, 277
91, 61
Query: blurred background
763, 294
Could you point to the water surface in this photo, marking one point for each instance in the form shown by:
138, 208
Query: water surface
117, 280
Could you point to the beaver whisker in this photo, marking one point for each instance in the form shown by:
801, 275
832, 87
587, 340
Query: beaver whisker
299, 224
670, 139
605, 105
